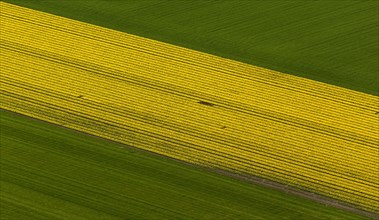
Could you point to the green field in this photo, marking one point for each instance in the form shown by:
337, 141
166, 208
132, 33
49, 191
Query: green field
49, 172
330, 41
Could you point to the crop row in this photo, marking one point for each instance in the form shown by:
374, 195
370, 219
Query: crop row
270, 98
138, 96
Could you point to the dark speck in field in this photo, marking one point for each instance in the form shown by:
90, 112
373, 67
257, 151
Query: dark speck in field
206, 103
80, 96
223, 127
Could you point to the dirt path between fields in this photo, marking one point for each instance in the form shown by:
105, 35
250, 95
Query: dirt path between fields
327, 201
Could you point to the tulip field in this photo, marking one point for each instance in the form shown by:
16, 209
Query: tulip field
192, 106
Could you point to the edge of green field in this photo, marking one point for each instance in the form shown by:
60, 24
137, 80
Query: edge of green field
50, 172
335, 42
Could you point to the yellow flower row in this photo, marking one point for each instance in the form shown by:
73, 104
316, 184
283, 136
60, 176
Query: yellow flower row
270, 98
190, 105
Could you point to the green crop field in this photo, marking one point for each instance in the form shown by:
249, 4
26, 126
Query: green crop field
49, 172
330, 41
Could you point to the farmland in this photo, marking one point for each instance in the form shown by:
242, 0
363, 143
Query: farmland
191, 106
329, 41
204, 110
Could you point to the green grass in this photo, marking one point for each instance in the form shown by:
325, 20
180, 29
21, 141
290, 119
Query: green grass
49, 172
330, 41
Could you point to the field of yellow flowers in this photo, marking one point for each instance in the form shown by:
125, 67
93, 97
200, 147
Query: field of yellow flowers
191, 106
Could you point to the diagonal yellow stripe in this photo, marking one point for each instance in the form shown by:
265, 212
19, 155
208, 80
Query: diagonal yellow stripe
190, 105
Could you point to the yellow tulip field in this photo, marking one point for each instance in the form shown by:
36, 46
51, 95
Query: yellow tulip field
191, 106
